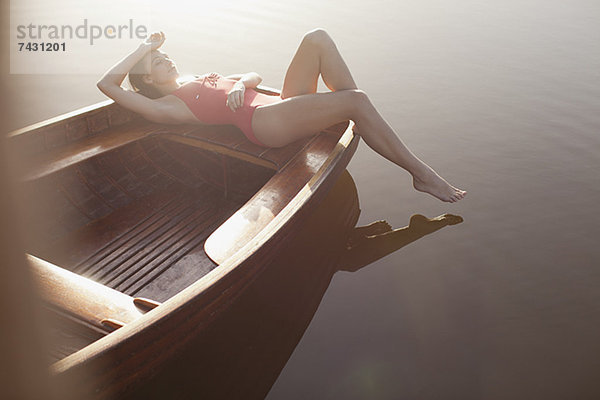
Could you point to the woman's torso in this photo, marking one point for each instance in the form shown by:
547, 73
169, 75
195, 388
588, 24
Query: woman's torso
205, 102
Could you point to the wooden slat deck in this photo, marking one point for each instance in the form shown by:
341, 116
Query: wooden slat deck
153, 247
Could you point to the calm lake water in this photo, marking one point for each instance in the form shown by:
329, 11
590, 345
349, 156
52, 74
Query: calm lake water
502, 98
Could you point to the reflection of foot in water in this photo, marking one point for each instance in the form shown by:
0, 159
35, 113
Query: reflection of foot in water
419, 221
364, 246
374, 228
361, 232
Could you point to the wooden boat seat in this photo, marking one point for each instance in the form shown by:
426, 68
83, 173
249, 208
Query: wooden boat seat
90, 302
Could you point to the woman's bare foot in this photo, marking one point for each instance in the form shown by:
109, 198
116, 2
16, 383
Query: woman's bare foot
430, 182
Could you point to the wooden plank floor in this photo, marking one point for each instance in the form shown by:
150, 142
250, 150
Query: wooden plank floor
153, 247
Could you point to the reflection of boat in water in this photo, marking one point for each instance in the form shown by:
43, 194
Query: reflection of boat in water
141, 234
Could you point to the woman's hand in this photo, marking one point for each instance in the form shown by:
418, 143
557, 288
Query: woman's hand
112, 79
212, 78
235, 97
155, 40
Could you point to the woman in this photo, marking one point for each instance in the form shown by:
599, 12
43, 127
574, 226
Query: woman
267, 120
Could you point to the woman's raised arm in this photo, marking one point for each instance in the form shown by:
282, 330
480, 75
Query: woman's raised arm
110, 83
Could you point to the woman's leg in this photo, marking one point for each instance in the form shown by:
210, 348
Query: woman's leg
297, 117
316, 55
304, 112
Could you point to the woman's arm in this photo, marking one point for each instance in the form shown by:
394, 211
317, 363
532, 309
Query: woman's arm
250, 80
235, 97
110, 83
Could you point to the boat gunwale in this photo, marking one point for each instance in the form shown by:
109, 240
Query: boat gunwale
48, 123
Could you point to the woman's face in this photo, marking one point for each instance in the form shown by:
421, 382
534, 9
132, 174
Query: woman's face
162, 68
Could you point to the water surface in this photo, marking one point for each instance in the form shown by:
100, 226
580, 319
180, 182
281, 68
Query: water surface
502, 98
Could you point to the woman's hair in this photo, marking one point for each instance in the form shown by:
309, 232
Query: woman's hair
136, 80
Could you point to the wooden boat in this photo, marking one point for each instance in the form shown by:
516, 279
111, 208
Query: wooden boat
141, 234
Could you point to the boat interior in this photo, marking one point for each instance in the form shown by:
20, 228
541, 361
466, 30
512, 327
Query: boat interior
119, 210
135, 218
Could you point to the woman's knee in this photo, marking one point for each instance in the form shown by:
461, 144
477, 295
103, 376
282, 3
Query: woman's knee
353, 102
358, 99
318, 36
